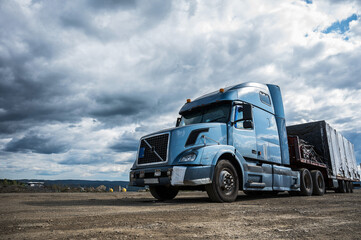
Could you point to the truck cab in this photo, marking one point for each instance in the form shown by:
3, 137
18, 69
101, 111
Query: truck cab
229, 140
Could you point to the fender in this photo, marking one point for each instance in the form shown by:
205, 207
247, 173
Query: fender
211, 155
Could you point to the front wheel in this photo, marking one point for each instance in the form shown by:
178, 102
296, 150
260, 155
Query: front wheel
225, 185
163, 193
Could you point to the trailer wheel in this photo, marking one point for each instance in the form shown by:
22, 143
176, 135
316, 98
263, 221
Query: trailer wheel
341, 186
351, 187
163, 193
347, 187
225, 185
318, 183
306, 182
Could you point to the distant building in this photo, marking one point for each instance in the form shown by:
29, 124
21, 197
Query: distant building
35, 184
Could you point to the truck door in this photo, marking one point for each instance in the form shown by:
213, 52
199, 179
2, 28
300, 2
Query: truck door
268, 146
244, 137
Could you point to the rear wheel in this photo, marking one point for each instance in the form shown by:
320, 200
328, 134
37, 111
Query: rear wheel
351, 187
341, 186
318, 183
163, 193
225, 185
347, 186
306, 182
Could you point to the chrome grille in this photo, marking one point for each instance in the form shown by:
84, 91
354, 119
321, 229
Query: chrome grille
153, 149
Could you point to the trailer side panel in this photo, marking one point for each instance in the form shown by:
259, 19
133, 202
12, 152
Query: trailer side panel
335, 150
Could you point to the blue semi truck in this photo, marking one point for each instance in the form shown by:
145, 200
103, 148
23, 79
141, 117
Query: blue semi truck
236, 139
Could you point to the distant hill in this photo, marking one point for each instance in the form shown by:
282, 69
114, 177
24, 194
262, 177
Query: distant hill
84, 183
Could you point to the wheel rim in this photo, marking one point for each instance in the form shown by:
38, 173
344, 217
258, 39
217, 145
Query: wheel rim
226, 181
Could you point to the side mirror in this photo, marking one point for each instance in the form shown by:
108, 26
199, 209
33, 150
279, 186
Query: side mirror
247, 112
247, 124
178, 122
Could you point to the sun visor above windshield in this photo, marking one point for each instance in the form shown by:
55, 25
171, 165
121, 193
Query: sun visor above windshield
254, 93
210, 98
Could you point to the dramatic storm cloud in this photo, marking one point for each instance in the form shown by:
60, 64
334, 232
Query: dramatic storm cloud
82, 81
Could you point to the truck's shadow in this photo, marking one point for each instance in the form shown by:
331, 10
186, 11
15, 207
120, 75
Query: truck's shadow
145, 201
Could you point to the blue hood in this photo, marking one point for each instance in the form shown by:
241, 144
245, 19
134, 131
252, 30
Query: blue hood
181, 142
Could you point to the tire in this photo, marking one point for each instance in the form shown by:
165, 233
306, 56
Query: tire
319, 187
351, 187
306, 182
341, 186
225, 184
163, 193
347, 186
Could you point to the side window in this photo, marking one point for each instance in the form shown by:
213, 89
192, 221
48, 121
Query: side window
265, 98
243, 117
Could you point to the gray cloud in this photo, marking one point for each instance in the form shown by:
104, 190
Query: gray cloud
108, 105
36, 144
125, 143
339, 71
113, 5
48, 173
84, 80
86, 159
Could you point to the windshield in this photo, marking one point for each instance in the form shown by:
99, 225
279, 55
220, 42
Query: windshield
218, 112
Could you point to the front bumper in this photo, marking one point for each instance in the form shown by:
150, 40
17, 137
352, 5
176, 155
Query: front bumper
172, 175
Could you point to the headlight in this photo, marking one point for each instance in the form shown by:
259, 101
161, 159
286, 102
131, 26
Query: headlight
189, 158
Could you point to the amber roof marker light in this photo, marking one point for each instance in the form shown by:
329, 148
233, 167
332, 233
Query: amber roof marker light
188, 100
221, 90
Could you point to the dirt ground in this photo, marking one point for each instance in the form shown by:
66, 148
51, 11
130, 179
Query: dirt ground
189, 216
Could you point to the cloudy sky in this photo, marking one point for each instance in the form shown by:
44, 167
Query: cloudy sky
82, 81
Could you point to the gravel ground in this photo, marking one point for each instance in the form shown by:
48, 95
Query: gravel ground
189, 216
